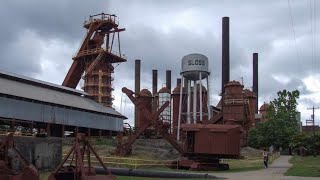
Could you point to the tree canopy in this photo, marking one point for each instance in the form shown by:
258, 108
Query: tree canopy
281, 124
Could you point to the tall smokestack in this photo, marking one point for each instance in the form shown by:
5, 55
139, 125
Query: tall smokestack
178, 81
225, 53
255, 78
168, 79
137, 71
154, 82
154, 89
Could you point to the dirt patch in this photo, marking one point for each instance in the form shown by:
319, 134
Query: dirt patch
157, 149
250, 152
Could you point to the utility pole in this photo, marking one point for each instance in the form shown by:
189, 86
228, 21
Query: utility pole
313, 126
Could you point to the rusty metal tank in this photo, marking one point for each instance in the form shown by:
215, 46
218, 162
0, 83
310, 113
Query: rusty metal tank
146, 98
233, 103
251, 106
263, 112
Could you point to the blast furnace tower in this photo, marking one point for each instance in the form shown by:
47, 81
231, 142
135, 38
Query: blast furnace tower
95, 58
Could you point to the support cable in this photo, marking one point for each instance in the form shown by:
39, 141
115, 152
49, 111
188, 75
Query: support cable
294, 36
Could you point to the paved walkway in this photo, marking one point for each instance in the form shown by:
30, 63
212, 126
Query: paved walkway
274, 172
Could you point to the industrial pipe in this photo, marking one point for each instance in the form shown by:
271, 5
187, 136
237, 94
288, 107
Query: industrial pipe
137, 71
189, 101
154, 89
180, 106
225, 53
158, 174
168, 79
255, 80
200, 92
194, 105
179, 82
154, 82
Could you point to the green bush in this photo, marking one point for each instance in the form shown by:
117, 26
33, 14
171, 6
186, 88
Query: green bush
101, 141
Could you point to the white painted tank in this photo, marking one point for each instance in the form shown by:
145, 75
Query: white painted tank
192, 65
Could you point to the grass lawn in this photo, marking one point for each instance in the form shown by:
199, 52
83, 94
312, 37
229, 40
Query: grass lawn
44, 175
145, 178
235, 166
304, 166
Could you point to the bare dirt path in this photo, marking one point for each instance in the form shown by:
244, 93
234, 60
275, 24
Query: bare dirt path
274, 172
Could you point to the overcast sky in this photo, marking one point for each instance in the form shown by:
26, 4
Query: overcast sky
39, 38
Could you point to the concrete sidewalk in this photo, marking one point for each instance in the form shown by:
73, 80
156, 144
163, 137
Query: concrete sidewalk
274, 172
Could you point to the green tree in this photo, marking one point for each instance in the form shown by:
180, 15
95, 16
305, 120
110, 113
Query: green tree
307, 140
281, 125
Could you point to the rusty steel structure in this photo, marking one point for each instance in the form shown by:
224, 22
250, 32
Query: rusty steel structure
80, 151
95, 58
237, 105
151, 119
9, 169
200, 154
201, 133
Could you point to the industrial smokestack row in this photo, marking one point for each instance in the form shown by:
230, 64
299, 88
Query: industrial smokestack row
225, 53
255, 79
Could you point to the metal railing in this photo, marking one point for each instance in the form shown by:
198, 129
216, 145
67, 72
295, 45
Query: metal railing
138, 163
128, 162
89, 52
98, 50
236, 101
101, 17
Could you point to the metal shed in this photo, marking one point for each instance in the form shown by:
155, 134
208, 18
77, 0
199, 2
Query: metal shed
28, 99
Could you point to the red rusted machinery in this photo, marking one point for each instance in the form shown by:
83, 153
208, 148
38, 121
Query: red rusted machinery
9, 157
202, 154
81, 149
93, 62
149, 120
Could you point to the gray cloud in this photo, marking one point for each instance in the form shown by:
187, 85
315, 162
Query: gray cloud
38, 33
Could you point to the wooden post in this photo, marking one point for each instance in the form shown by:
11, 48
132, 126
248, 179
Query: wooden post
48, 129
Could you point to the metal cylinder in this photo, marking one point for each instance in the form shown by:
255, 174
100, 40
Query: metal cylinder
188, 101
255, 79
168, 79
194, 103
225, 53
154, 90
200, 99
178, 81
154, 82
137, 71
153, 174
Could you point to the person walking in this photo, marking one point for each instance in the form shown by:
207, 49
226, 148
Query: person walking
265, 158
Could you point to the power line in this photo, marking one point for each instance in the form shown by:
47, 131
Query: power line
294, 34
315, 32
312, 36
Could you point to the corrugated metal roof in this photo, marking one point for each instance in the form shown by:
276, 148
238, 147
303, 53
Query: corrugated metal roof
19, 110
44, 84
31, 89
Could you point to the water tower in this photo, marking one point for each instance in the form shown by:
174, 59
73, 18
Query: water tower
194, 70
